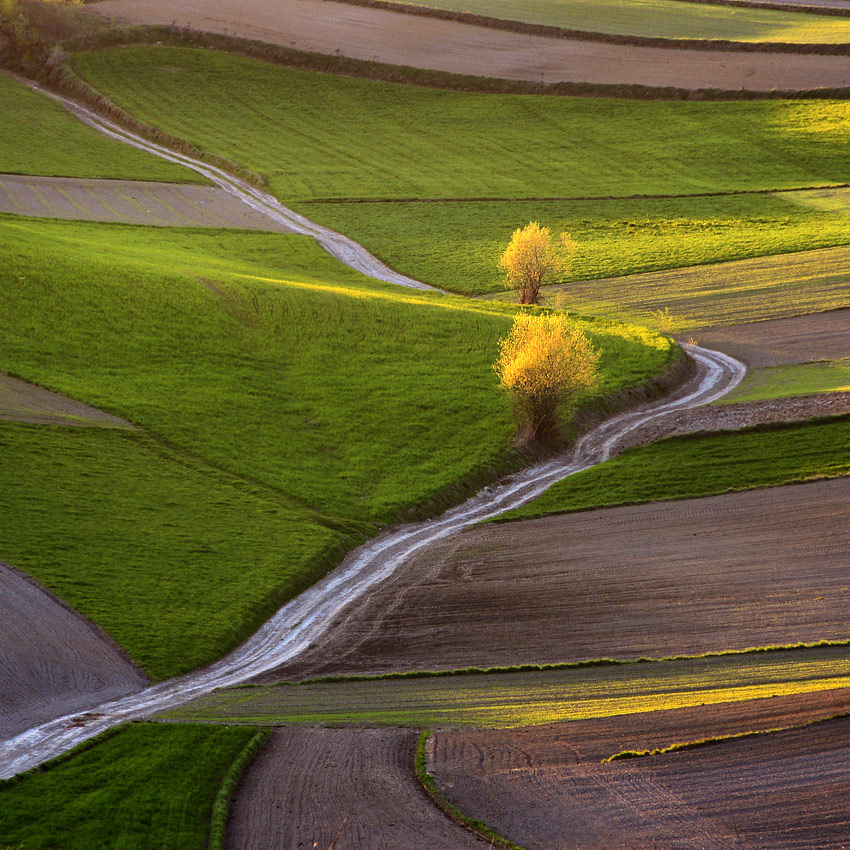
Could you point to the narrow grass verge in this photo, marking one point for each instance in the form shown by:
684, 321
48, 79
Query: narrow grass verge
825, 376
452, 811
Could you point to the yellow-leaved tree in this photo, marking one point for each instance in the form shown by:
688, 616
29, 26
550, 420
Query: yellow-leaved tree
545, 363
533, 259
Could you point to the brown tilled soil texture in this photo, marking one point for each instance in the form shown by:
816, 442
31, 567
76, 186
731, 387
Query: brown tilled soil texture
349, 789
545, 787
780, 342
385, 36
52, 661
21, 401
129, 202
726, 572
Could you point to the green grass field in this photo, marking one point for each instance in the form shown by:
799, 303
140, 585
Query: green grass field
783, 381
148, 787
41, 137
317, 138
522, 699
703, 465
660, 18
331, 404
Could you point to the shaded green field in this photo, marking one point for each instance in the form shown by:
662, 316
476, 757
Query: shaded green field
660, 18
147, 787
702, 465
615, 237
782, 381
41, 137
521, 699
318, 137
331, 404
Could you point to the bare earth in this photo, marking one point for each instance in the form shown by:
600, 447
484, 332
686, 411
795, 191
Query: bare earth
129, 202
53, 661
544, 787
725, 572
390, 37
21, 401
342, 788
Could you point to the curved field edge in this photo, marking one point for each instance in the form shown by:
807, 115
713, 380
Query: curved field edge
430, 787
153, 785
703, 464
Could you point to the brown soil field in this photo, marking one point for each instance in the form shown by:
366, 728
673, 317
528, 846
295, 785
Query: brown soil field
380, 35
780, 342
129, 202
545, 787
53, 661
683, 577
21, 401
339, 788
728, 293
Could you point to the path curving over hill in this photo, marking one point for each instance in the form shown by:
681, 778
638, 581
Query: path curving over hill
380, 35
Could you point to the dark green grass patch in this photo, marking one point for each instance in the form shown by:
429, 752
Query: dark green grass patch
148, 787
703, 465
40, 137
318, 136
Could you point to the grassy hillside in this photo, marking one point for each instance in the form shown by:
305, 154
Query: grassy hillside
333, 403
41, 137
782, 381
703, 465
318, 138
660, 18
149, 787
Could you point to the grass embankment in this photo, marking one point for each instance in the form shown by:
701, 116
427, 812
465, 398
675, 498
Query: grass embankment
659, 19
825, 376
703, 465
521, 699
147, 786
331, 404
317, 138
41, 137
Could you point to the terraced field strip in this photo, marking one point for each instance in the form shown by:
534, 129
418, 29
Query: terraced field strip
657, 19
379, 35
522, 699
131, 202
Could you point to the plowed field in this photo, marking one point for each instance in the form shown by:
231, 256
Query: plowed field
734, 571
787, 790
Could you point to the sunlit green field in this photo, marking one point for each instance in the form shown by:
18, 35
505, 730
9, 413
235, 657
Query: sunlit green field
703, 465
660, 18
522, 699
782, 381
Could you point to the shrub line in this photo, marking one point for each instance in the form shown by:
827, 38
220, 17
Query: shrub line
453, 812
221, 804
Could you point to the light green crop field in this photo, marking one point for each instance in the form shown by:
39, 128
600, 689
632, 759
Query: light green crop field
332, 404
41, 137
783, 381
148, 787
318, 138
703, 465
527, 698
660, 18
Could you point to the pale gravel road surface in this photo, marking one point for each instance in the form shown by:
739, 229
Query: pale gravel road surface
323, 26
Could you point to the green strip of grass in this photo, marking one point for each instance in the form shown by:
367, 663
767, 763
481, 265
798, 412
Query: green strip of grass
149, 787
702, 465
41, 137
783, 381
659, 19
520, 699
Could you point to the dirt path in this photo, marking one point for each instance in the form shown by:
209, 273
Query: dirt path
53, 661
780, 791
351, 789
130, 202
692, 576
21, 401
391, 37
